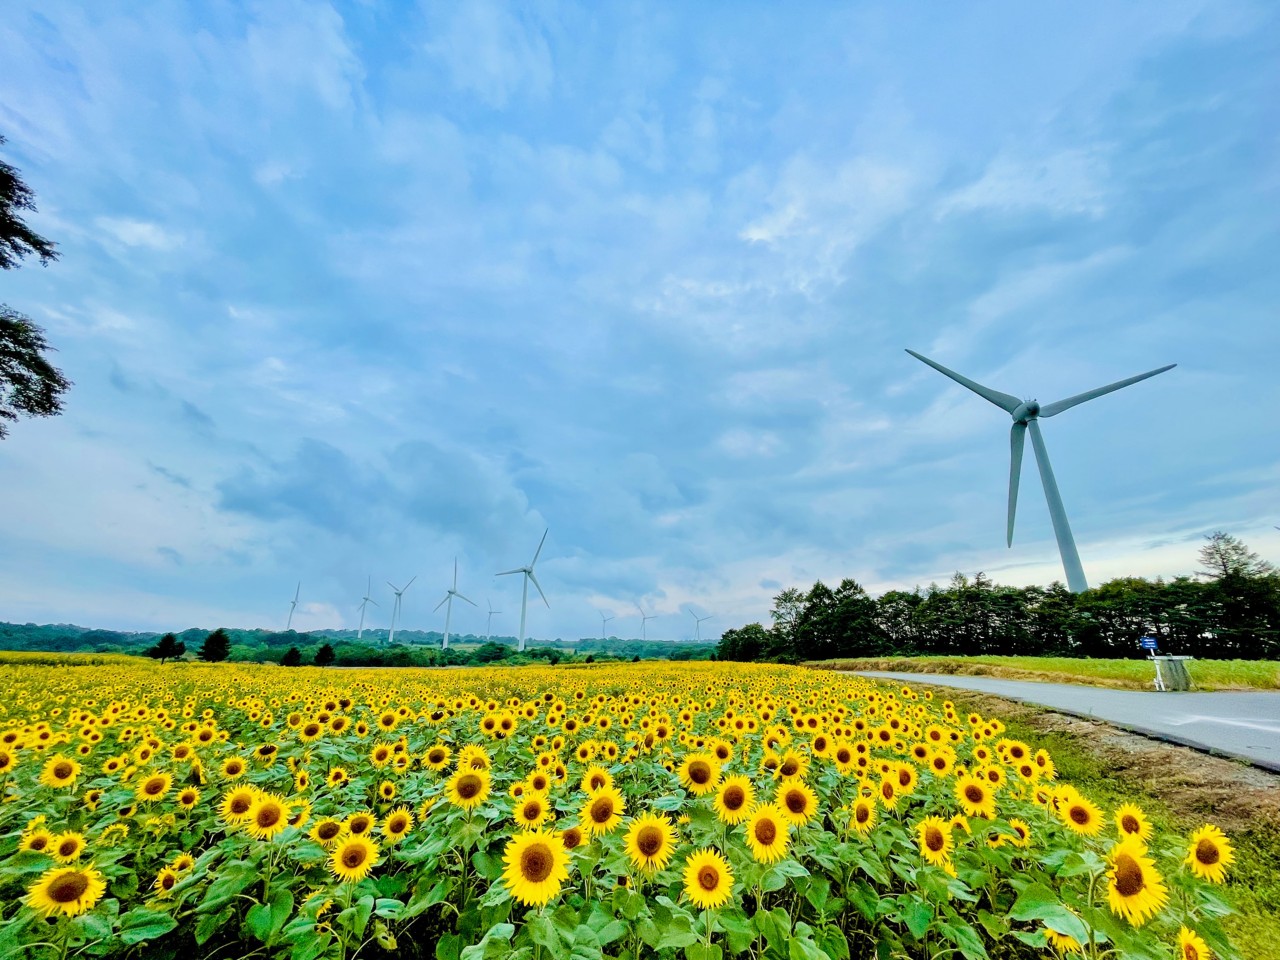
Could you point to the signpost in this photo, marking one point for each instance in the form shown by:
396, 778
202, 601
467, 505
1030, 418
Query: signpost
1179, 678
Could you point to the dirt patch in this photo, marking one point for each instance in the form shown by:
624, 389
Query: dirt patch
1234, 794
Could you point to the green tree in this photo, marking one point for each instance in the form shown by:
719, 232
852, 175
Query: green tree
29, 384
168, 647
292, 658
1224, 555
216, 647
325, 656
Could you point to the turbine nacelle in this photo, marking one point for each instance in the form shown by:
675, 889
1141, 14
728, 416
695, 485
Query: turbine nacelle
1027, 410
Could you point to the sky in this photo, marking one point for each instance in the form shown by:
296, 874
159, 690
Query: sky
350, 290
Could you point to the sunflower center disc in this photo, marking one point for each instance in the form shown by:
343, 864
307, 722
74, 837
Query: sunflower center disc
795, 801
1207, 852
974, 794
352, 857
734, 798
602, 810
536, 862
708, 878
468, 786
863, 814
1129, 823
68, 889
1129, 879
934, 840
1079, 815
766, 832
649, 841
699, 772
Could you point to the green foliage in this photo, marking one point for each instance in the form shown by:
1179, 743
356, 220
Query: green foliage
169, 647
292, 658
1234, 615
216, 647
325, 656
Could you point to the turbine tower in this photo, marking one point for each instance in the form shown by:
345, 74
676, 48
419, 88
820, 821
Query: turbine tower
364, 603
604, 622
488, 629
395, 608
1026, 418
644, 621
448, 599
524, 594
698, 622
293, 605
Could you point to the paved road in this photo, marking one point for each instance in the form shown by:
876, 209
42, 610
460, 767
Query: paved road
1245, 725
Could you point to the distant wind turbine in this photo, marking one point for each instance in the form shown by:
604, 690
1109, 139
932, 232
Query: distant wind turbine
364, 603
448, 600
488, 630
1026, 416
644, 622
293, 605
524, 594
395, 608
604, 622
698, 622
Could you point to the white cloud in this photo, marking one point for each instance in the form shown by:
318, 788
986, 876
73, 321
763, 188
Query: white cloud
1073, 181
492, 52
140, 233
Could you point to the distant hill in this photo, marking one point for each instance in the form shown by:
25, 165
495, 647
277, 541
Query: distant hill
262, 644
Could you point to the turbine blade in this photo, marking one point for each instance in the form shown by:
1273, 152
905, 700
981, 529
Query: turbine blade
410, 583
461, 597
1053, 409
1017, 440
392, 586
441, 603
507, 573
455, 573
539, 586
371, 600
540, 543
1004, 401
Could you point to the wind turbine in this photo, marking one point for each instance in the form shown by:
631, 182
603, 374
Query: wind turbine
488, 630
524, 594
364, 603
448, 599
644, 620
698, 622
1026, 417
293, 605
395, 608
604, 622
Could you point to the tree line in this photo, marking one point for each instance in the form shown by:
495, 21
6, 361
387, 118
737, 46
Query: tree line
1228, 610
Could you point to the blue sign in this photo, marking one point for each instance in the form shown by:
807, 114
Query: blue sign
1147, 643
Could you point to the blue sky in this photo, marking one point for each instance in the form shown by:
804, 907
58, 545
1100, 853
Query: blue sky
348, 290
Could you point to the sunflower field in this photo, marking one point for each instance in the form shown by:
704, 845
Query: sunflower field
637, 810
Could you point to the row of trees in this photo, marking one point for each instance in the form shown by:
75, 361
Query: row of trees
1229, 610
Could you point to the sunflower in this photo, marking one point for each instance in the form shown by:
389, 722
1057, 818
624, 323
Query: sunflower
935, 840
531, 810
66, 847
353, 858
38, 840
1081, 815
791, 764
1191, 947
699, 773
59, 771
327, 831
862, 815
188, 797
360, 823
1209, 854
976, 797
154, 787
267, 817
183, 862
67, 890
387, 790
708, 880
536, 866
734, 800
437, 756
469, 787
1061, 943
1022, 831
236, 805
602, 812
1134, 887
166, 880
651, 841
398, 823
571, 837
233, 767
796, 801
768, 833
595, 778
1132, 822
